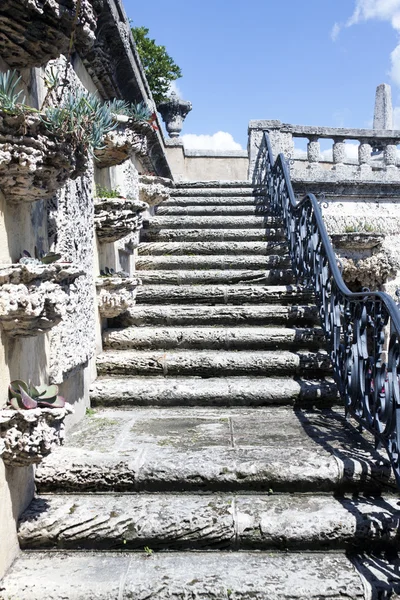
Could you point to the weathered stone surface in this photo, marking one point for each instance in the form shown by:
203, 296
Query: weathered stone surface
176, 522
205, 276
203, 338
223, 294
213, 209
211, 248
371, 272
34, 298
164, 576
383, 112
35, 31
211, 362
207, 235
33, 163
27, 436
115, 218
115, 295
218, 315
357, 241
214, 391
211, 262
120, 145
214, 450
153, 190
212, 222
214, 201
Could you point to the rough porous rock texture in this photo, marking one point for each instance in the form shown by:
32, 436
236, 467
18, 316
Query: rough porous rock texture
27, 436
115, 295
119, 145
33, 163
71, 233
34, 298
34, 31
116, 218
154, 190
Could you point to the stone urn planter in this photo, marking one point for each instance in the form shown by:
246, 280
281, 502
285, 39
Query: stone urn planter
115, 218
33, 32
115, 295
33, 163
28, 436
154, 190
34, 298
174, 111
120, 144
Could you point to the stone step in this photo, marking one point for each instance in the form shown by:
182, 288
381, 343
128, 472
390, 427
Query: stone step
192, 522
215, 200
200, 576
214, 209
213, 191
192, 315
223, 294
218, 276
215, 449
218, 184
210, 235
211, 248
212, 363
148, 263
209, 338
212, 222
215, 391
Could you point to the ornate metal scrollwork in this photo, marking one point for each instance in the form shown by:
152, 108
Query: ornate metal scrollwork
362, 329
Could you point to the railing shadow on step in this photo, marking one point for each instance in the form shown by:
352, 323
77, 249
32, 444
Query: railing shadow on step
362, 329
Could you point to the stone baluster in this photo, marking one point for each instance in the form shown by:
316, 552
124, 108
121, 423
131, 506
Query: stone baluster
339, 151
364, 158
313, 151
390, 155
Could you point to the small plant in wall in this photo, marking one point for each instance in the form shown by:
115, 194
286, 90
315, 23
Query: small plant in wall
44, 259
22, 395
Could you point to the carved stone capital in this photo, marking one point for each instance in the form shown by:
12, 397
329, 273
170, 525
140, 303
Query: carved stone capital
173, 112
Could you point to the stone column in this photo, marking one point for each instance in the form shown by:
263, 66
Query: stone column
313, 150
364, 159
390, 155
383, 113
339, 151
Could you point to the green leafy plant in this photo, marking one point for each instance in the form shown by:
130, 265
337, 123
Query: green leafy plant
103, 192
11, 101
158, 65
148, 551
44, 259
22, 395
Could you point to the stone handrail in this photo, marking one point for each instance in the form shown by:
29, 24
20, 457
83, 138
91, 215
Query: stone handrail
382, 143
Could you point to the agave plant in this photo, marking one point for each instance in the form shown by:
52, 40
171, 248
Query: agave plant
22, 395
44, 259
11, 101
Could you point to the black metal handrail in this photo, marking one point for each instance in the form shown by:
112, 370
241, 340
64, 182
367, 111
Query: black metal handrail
362, 329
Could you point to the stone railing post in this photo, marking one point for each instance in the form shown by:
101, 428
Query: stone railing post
313, 151
281, 141
339, 151
364, 154
390, 155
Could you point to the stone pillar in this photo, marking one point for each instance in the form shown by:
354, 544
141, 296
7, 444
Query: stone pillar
339, 151
383, 113
313, 150
390, 155
364, 154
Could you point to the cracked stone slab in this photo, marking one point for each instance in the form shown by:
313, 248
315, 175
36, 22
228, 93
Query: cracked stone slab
211, 222
218, 235
201, 338
172, 576
211, 362
224, 294
212, 262
214, 450
217, 315
177, 522
214, 391
210, 248
234, 276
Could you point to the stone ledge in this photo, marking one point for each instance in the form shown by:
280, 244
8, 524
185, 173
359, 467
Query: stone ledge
154, 190
115, 295
33, 298
115, 218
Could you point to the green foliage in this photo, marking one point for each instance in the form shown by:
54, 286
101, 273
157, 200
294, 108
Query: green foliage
158, 65
10, 99
103, 192
22, 395
148, 551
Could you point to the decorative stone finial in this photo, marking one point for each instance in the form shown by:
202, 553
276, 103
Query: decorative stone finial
173, 111
383, 114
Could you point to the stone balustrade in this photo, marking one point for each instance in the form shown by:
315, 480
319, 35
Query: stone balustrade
376, 158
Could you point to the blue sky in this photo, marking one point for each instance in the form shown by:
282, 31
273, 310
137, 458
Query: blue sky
310, 62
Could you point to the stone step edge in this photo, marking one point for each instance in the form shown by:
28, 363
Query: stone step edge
169, 576
215, 391
229, 521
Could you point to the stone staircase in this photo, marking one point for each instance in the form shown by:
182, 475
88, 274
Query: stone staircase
217, 463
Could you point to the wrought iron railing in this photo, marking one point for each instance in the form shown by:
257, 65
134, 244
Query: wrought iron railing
362, 329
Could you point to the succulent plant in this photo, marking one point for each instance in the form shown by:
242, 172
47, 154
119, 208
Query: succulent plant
110, 272
22, 395
44, 259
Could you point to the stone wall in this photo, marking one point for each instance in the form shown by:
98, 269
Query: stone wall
63, 221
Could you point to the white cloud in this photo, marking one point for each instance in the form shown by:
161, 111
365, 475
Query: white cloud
335, 31
219, 141
173, 87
